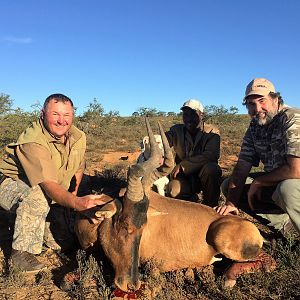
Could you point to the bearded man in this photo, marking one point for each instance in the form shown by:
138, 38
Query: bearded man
273, 139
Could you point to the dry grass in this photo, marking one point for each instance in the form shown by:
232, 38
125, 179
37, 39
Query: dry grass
88, 280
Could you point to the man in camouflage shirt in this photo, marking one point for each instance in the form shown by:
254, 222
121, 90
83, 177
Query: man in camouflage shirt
35, 181
273, 138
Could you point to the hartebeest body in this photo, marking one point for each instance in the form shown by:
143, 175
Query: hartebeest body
177, 233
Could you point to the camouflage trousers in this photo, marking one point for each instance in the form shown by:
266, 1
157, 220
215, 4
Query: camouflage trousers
279, 204
37, 220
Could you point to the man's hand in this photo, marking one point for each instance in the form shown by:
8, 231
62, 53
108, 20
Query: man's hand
89, 201
87, 205
175, 171
254, 193
83, 204
227, 208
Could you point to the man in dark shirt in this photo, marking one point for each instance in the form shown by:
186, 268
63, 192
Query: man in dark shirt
197, 150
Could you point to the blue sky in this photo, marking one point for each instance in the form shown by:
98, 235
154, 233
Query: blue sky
157, 54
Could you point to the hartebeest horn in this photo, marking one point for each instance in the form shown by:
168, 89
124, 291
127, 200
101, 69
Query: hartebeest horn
135, 188
165, 168
168, 163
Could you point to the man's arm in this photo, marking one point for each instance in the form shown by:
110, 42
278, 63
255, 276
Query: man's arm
37, 163
235, 187
237, 182
78, 177
58, 194
290, 170
211, 153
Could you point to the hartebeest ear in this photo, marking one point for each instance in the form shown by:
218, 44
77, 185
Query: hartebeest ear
108, 210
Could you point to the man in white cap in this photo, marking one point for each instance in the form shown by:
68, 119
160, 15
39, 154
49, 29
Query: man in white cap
272, 138
197, 153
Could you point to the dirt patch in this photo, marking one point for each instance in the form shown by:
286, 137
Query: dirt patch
228, 162
116, 157
111, 158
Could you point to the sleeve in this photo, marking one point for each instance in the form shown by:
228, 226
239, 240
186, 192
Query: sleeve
293, 134
170, 136
82, 166
248, 152
36, 162
211, 153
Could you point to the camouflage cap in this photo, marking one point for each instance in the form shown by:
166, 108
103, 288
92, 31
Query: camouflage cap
259, 86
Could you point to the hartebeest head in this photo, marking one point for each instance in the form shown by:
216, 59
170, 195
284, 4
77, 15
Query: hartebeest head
120, 235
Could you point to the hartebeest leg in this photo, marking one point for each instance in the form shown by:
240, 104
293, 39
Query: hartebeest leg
263, 262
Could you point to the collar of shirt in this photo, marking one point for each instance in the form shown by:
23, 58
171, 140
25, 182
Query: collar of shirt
71, 136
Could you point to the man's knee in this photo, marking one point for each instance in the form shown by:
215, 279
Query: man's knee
35, 202
210, 174
225, 187
16, 193
287, 193
173, 188
180, 189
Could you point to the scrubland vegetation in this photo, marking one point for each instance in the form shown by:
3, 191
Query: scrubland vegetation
93, 276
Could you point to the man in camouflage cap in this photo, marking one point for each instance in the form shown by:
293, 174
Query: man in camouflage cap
36, 175
273, 138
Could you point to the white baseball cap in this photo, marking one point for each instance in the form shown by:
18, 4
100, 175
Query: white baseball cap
193, 104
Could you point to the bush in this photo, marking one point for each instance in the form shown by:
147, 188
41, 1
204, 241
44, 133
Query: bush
12, 125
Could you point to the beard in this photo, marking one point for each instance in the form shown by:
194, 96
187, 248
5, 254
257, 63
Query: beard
265, 118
